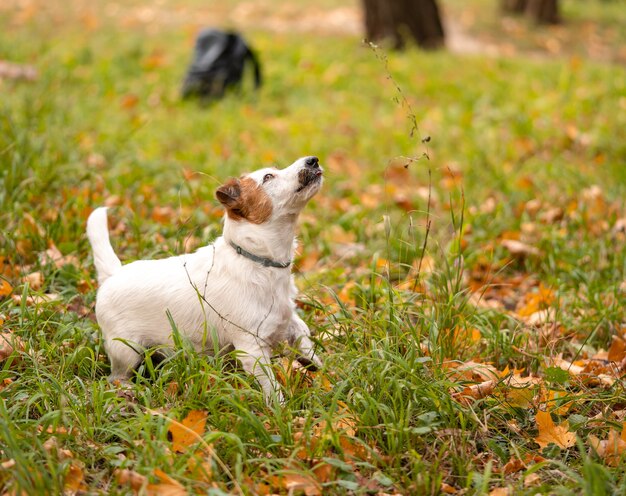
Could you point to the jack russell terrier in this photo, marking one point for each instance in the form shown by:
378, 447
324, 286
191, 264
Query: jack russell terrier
238, 291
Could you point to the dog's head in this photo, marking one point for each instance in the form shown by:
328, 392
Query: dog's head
271, 193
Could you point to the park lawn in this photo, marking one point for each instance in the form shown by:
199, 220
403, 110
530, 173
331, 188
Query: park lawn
463, 269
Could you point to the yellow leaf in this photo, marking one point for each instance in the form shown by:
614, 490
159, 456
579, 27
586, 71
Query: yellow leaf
549, 432
188, 432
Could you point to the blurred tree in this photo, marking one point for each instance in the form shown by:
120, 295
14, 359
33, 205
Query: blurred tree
397, 19
541, 11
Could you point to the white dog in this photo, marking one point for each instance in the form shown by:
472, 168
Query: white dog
238, 291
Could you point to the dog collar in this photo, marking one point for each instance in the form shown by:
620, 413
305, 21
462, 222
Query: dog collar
265, 262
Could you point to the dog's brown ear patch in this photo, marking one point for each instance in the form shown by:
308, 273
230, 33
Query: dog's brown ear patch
245, 199
228, 194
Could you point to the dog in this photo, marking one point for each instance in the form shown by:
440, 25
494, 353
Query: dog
236, 294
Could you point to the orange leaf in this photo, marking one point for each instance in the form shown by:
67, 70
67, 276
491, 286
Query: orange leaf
74, 480
534, 302
475, 392
617, 351
5, 288
129, 101
188, 432
549, 432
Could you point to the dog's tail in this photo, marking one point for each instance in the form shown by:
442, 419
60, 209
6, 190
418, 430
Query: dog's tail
104, 257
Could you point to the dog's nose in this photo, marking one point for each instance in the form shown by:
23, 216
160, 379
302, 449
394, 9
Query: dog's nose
312, 162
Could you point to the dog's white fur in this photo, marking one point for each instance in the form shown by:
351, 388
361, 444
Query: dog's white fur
214, 293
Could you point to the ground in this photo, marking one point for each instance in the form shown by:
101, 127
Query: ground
462, 270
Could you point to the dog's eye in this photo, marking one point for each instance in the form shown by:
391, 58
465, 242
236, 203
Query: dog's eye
267, 177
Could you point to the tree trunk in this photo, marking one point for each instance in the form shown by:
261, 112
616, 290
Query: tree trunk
540, 11
397, 19
543, 11
514, 6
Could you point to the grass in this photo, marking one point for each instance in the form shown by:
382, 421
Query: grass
520, 149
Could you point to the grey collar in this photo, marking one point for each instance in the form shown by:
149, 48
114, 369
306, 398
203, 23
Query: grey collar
265, 262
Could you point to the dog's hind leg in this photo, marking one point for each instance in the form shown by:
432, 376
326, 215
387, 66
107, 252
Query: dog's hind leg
124, 358
256, 361
300, 338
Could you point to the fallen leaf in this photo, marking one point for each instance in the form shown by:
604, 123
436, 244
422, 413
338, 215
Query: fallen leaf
532, 480
54, 255
550, 433
537, 301
294, 482
617, 351
475, 392
34, 300
9, 343
5, 288
34, 280
129, 101
500, 491
448, 489
74, 480
9, 70
611, 450
188, 432
519, 249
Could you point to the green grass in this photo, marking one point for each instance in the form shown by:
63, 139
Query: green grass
511, 140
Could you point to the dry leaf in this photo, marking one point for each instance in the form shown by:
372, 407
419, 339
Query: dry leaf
532, 480
140, 485
34, 300
500, 491
129, 101
74, 480
475, 392
54, 255
613, 449
617, 351
9, 70
448, 489
294, 483
9, 343
519, 249
5, 288
537, 301
34, 280
188, 432
549, 432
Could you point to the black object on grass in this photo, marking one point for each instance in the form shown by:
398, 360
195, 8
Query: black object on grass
218, 65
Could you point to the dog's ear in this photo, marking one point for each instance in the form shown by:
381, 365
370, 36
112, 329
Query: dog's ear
229, 193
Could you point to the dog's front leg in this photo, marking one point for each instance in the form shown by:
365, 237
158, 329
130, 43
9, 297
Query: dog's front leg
300, 338
255, 360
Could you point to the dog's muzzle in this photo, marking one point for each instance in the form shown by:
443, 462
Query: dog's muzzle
310, 174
